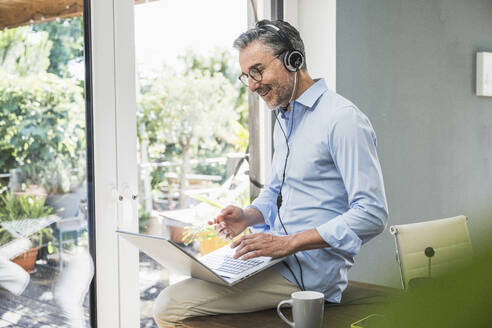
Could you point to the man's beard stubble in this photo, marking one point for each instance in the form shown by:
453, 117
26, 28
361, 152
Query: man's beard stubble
279, 94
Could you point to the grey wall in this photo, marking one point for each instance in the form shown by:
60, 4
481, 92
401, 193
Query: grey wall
410, 66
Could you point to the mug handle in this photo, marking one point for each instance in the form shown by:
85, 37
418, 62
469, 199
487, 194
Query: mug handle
279, 311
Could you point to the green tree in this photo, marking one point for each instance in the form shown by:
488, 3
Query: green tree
189, 110
23, 52
221, 61
68, 43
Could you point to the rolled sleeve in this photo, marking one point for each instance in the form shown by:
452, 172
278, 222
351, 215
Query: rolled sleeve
265, 212
339, 236
266, 206
353, 147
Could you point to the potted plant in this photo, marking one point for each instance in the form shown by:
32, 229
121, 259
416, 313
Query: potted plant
207, 237
21, 207
205, 234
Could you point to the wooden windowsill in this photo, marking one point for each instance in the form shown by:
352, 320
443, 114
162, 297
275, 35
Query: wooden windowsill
359, 300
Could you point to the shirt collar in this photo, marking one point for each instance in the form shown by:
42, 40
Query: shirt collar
311, 95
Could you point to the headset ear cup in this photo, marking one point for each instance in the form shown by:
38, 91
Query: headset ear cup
293, 60
285, 60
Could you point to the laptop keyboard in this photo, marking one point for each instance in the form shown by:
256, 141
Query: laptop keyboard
229, 264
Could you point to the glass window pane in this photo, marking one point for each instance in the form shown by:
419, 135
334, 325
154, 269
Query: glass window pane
45, 266
192, 121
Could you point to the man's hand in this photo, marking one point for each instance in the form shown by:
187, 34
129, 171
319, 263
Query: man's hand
230, 222
263, 244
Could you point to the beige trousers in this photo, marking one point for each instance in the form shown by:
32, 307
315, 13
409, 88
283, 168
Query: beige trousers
194, 297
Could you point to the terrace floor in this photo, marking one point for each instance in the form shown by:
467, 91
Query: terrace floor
37, 308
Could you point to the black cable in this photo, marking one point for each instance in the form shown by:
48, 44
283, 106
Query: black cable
293, 275
279, 197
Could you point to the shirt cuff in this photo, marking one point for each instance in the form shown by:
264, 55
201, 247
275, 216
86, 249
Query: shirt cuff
262, 227
265, 211
339, 236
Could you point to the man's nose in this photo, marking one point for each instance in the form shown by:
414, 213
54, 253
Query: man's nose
253, 85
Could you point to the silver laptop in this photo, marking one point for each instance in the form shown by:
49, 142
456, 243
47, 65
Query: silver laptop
218, 266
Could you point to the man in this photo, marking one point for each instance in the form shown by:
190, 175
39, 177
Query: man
324, 197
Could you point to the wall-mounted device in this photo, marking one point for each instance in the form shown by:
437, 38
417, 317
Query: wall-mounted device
484, 74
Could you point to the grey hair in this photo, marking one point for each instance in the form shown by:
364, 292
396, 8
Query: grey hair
275, 41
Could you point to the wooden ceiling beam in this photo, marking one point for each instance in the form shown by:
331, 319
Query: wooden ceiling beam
14, 13
19, 13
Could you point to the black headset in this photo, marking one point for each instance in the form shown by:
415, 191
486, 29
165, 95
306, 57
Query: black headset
292, 58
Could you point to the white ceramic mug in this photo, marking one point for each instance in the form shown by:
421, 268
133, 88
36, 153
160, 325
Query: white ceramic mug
307, 309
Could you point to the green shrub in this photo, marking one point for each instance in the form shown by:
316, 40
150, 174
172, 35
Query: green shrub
42, 128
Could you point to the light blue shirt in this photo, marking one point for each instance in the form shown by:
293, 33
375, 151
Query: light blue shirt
333, 183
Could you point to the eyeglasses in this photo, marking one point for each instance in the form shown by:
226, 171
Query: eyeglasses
255, 73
